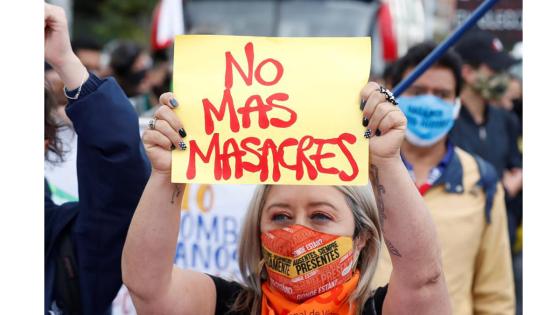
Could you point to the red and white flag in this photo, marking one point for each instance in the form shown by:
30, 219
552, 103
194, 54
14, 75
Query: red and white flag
167, 23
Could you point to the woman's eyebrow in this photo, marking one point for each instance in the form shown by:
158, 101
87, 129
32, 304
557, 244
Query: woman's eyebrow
277, 205
322, 203
311, 204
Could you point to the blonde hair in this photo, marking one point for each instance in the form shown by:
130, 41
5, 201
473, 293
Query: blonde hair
361, 201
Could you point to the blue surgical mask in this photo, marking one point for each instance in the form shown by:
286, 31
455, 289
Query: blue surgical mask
429, 118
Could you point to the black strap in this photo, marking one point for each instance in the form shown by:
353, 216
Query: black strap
67, 285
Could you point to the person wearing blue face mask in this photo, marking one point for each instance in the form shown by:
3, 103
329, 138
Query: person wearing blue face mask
429, 118
462, 191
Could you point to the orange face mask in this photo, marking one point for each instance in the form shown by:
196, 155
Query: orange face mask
302, 263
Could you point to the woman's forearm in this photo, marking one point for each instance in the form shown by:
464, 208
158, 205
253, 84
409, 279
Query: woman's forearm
150, 246
408, 229
71, 71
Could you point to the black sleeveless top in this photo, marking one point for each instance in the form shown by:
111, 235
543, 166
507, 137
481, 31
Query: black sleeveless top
227, 291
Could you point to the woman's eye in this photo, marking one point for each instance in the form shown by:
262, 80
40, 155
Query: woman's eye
320, 216
279, 217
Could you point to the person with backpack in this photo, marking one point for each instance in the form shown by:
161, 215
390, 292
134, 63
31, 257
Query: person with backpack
461, 190
84, 239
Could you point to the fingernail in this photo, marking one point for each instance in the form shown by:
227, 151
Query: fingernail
367, 134
182, 132
183, 145
365, 122
172, 147
377, 133
174, 102
362, 104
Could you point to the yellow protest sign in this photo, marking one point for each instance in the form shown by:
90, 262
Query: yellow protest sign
271, 110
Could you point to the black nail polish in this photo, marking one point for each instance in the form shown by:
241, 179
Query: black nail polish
172, 147
183, 145
182, 132
365, 122
362, 104
367, 134
377, 133
174, 102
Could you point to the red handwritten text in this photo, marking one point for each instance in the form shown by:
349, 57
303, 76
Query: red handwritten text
232, 157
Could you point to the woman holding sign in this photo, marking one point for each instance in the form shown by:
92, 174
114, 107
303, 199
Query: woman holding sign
304, 249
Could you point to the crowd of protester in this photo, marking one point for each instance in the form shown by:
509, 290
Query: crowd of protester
466, 164
482, 89
142, 74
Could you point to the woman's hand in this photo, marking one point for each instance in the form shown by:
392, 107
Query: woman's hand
167, 135
379, 114
58, 50
57, 41
417, 268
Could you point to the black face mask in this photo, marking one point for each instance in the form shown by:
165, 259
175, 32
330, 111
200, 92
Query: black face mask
134, 78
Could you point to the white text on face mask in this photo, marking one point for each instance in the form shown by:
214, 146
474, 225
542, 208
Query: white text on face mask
308, 247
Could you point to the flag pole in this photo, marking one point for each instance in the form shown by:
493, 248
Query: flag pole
442, 48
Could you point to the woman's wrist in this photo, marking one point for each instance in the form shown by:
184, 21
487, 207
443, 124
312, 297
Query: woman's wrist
71, 71
161, 175
383, 162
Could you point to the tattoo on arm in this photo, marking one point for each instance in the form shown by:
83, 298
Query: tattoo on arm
392, 249
378, 191
175, 194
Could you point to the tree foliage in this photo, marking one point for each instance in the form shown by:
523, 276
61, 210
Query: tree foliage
110, 19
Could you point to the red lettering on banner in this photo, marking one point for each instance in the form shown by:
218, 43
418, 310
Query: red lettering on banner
309, 157
259, 107
230, 61
232, 158
210, 111
227, 104
278, 76
276, 122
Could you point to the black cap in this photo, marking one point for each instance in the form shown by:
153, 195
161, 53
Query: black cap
482, 47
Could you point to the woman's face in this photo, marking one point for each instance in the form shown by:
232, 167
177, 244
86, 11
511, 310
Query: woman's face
321, 208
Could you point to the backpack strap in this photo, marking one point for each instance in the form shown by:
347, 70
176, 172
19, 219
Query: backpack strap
67, 283
488, 182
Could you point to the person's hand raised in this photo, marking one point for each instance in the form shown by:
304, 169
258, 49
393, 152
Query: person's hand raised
384, 120
165, 133
58, 50
57, 39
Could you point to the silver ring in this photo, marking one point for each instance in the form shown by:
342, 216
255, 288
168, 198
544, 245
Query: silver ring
152, 123
388, 95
